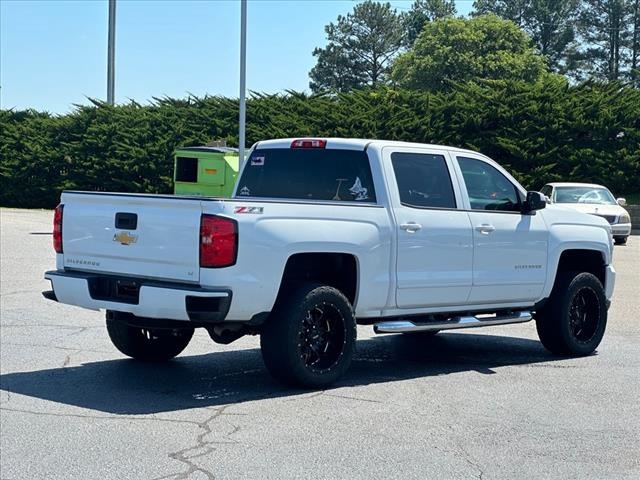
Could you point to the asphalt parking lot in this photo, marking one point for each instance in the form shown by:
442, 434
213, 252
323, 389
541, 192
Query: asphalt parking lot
486, 404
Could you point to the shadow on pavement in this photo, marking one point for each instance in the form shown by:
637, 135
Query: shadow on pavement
129, 387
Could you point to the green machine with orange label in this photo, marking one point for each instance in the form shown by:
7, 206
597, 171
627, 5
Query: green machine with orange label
206, 171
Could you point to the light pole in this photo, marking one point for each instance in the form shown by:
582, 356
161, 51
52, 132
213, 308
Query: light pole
243, 73
111, 53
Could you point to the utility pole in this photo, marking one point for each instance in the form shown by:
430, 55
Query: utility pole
635, 45
111, 53
243, 73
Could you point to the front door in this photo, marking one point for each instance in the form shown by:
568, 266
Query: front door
510, 248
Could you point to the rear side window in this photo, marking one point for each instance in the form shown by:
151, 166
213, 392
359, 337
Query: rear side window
423, 180
308, 174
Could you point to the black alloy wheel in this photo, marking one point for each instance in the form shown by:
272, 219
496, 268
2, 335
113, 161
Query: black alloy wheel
574, 319
584, 314
322, 337
309, 338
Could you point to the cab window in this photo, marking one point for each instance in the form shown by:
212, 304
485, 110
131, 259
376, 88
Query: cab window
423, 180
488, 189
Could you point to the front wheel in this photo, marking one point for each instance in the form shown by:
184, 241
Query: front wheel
146, 344
574, 319
620, 240
309, 338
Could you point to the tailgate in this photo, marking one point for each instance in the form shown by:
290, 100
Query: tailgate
137, 235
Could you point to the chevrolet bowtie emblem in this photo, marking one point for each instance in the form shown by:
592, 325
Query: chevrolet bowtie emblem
125, 238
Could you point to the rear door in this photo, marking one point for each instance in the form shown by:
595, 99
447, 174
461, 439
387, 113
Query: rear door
132, 235
434, 241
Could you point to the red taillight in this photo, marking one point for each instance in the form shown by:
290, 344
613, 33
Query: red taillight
218, 241
57, 228
309, 143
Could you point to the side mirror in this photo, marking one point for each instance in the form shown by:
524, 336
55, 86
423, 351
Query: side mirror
622, 202
535, 201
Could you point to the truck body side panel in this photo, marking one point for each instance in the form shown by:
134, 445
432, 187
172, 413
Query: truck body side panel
268, 239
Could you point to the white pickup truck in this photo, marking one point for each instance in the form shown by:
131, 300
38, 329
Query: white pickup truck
324, 234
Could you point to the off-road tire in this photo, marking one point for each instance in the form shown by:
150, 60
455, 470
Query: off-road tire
573, 321
148, 345
309, 338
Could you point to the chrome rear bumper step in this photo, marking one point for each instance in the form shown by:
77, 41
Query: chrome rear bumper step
403, 326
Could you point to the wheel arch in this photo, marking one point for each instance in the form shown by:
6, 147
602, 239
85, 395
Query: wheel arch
338, 270
582, 260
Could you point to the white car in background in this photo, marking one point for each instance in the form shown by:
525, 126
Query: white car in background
595, 200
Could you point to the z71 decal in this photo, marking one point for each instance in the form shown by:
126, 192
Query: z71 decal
255, 210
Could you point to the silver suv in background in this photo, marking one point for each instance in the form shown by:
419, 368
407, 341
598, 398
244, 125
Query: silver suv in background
595, 200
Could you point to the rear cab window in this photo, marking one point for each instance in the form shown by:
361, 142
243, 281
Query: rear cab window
308, 174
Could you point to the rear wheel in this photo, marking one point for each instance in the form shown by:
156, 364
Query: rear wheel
150, 345
309, 338
574, 319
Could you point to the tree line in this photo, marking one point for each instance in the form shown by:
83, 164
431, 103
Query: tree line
543, 131
548, 88
582, 39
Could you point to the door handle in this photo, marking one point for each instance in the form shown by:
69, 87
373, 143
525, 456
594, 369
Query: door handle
410, 227
485, 228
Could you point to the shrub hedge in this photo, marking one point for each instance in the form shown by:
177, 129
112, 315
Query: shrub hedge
546, 131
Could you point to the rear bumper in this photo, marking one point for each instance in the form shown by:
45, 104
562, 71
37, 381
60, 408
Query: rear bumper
141, 297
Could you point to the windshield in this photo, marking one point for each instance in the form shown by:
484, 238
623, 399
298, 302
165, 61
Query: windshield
595, 195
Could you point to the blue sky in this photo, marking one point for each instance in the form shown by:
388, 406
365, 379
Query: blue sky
53, 53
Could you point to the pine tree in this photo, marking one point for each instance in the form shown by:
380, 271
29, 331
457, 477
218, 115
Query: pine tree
423, 11
605, 28
360, 49
634, 72
549, 23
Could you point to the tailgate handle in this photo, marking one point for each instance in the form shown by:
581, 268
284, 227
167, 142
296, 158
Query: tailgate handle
126, 221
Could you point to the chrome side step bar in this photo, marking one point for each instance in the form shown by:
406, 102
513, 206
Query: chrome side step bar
401, 326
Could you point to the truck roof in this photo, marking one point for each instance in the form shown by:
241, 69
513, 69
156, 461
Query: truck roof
208, 149
352, 143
